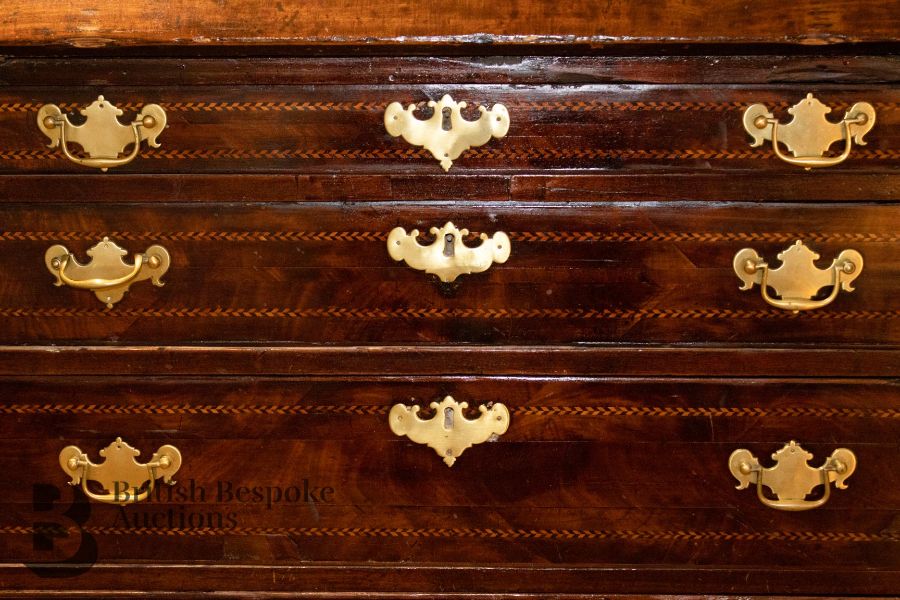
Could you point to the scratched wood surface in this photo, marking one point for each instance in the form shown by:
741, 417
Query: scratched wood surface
254, 22
328, 128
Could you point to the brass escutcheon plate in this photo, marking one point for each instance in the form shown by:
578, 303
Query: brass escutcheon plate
448, 432
447, 257
446, 134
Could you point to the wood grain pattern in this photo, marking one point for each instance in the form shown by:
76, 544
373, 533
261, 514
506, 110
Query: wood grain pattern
597, 186
465, 360
615, 273
451, 581
326, 127
819, 68
250, 22
565, 486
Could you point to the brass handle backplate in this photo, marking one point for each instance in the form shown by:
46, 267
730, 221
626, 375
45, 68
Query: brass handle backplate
797, 281
447, 257
102, 137
446, 134
123, 479
107, 275
792, 479
448, 432
809, 134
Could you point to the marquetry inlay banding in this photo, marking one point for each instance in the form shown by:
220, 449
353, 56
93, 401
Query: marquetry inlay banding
373, 410
506, 153
474, 533
339, 312
518, 236
545, 105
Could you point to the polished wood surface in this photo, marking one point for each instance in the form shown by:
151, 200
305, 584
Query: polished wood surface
616, 334
814, 66
300, 129
321, 274
593, 473
254, 22
467, 360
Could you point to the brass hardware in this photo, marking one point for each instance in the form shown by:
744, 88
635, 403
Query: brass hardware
791, 479
446, 144
123, 479
809, 134
447, 257
102, 136
448, 432
107, 275
798, 279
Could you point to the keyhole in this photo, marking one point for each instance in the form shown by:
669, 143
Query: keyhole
445, 122
448, 418
448, 245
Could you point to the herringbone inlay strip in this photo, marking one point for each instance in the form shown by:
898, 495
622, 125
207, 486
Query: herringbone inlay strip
475, 533
538, 105
398, 153
516, 236
338, 312
371, 410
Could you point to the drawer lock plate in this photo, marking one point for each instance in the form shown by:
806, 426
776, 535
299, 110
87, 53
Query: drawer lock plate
448, 432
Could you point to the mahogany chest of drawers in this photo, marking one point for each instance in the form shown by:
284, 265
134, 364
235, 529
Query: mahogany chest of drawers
636, 265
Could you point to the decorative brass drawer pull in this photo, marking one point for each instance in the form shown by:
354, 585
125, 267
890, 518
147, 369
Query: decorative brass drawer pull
446, 134
102, 137
809, 134
123, 479
791, 479
447, 257
107, 275
448, 432
798, 279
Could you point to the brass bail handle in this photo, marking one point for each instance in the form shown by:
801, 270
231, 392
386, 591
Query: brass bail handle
809, 134
107, 275
792, 479
797, 281
122, 478
102, 137
60, 263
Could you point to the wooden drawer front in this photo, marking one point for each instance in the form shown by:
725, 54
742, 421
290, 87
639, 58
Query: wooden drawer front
590, 472
310, 129
322, 274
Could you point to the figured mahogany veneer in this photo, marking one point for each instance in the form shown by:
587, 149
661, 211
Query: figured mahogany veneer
592, 471
639, 273
616, 334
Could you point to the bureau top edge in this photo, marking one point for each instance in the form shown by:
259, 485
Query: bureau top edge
465, 22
